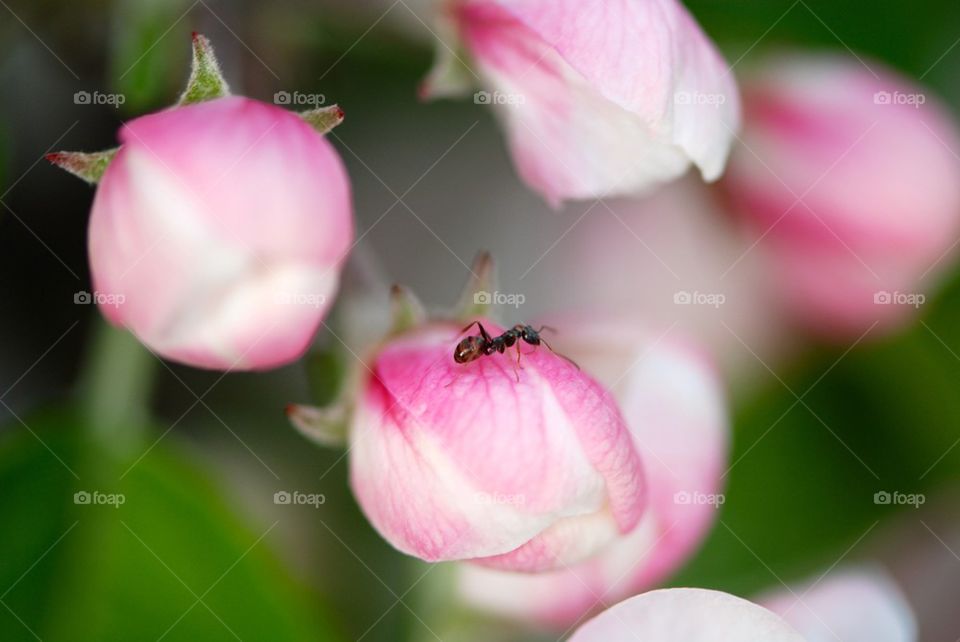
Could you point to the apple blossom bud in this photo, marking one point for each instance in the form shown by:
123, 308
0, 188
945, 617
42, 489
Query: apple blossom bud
858, 604
673, 403
686, 615
598, 98
461, 461
221, 227
850, 177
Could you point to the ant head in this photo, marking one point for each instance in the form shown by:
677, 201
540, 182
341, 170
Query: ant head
529, 334
469, 349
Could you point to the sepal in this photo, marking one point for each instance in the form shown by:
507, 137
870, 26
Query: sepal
206, 80
88, 166
323, 119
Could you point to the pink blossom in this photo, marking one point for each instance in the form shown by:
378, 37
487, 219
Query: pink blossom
853, 605
455, 461
859, 604
673, 404
686, 615
597, 97
220, 228
849, 174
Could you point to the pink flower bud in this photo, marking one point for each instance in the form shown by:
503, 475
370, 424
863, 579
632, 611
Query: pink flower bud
687, 615
673, 403
220, 228
457, 461
859, 604
598, 97
853, 183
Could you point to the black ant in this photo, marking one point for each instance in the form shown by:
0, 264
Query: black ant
474, 347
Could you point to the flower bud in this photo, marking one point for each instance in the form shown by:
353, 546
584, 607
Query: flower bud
850, 177
523, 466
686, 615
221, 227
598, 98
673, 404
858, 604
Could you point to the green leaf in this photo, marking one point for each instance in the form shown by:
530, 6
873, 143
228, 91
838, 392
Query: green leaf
804, 476
133, 571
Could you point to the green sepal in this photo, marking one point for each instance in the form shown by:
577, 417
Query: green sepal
476, 299
323, 119
88, 166
406, 310
206, 80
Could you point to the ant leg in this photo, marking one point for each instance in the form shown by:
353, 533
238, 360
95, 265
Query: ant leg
483, 331
568, 359
519, 367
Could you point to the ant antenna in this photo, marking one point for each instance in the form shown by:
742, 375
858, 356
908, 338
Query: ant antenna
563, 356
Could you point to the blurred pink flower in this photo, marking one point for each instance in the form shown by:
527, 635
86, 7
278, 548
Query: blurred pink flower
857, 605
852, 181
598, 97
686, 615
218, 231
460, 461
673, 403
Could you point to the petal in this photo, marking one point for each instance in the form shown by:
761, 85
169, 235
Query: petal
603, 98
686, 615
853, 605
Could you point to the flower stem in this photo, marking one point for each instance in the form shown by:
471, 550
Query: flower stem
115, 387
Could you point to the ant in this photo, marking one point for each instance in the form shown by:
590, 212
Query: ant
474, 347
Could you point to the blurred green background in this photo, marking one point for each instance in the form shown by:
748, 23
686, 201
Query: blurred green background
199, 549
